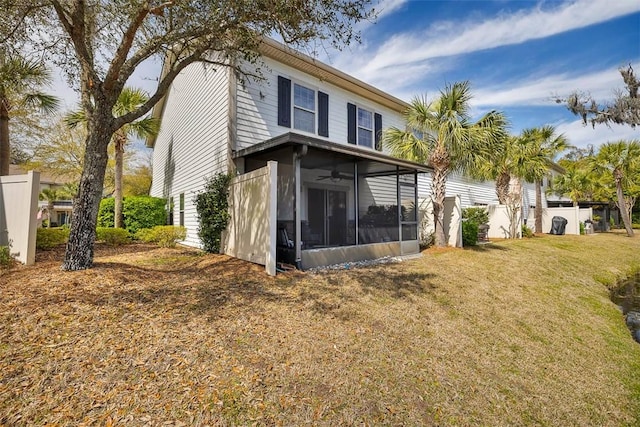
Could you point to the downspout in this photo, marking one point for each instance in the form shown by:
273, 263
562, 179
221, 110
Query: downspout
298, 153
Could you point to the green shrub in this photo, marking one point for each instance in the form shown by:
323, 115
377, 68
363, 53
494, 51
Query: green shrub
47, 238
138, 212
106, 212
526, 232
6, 260
212, 206
635, 226
165, 236
143, 212
582, 227
477, 215
469, 233
112, 236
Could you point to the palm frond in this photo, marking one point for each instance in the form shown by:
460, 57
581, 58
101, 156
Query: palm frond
46, 103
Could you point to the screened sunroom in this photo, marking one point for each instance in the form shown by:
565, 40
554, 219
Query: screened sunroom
337, 203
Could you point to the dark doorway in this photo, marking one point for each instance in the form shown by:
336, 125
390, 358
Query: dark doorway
327, 213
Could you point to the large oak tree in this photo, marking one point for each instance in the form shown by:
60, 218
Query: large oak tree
101, 44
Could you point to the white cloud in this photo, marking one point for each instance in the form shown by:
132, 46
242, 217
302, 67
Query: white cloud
542, 90
581, 135
447, 38
387, 7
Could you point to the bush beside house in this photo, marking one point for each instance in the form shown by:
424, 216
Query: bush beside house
139, 212
112, 236
165, 236
472, 220
212, 206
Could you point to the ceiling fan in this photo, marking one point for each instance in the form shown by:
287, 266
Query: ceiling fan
335, 176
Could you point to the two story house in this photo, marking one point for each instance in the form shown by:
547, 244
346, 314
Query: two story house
333, 195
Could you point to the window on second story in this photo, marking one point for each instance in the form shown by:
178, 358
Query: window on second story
302, 108
364, 127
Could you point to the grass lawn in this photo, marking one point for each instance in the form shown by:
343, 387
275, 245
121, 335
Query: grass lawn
513, 333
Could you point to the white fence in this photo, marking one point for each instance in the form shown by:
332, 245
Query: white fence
452, 219
499, 220
574, 216
251, 233
18, 211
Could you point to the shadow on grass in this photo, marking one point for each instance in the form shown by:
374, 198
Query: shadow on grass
487, 248
187, 282
391, 281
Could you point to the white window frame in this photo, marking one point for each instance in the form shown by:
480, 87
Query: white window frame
294, 106
372, 129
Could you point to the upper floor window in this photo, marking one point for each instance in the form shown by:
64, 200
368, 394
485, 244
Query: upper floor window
365, 128
304, 108
298, 107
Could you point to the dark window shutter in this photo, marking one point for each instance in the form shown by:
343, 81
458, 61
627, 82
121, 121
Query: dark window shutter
284, 102
323, 114
351, 123
377, 120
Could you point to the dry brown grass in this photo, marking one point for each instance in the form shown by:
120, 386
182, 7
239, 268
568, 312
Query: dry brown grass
516, 333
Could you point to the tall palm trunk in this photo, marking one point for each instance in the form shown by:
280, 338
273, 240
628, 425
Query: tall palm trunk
502, 187
622, 203
79, 252
5, 149
439, 160
538, 210
439, 183
120, 139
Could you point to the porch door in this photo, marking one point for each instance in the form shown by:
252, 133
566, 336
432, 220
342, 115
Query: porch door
328, 216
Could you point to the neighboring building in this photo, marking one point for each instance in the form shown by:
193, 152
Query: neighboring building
61, 208
340, 196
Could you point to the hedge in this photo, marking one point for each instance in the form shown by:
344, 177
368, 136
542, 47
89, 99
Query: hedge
47, 238
138, 212
165, 236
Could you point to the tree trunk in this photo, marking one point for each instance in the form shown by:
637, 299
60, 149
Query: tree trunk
49, 211
119, 140
538, 211
622, 203
514, 207
79, 252
502, 188
439, 186
5, 148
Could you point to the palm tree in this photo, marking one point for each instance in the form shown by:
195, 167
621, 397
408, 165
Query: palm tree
440, 133
576, 182
546, 145
622, 160
513, 159
129, 100
20, 80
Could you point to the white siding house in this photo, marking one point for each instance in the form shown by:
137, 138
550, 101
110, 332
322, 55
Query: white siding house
340, 196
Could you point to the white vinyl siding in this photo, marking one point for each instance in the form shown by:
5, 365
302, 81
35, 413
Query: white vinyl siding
474, 193
257, 107
193, 139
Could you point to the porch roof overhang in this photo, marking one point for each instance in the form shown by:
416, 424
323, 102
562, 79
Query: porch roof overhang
295, 139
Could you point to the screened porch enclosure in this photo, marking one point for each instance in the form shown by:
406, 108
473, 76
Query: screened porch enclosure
339, 205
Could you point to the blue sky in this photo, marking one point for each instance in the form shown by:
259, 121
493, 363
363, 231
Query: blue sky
517, 54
